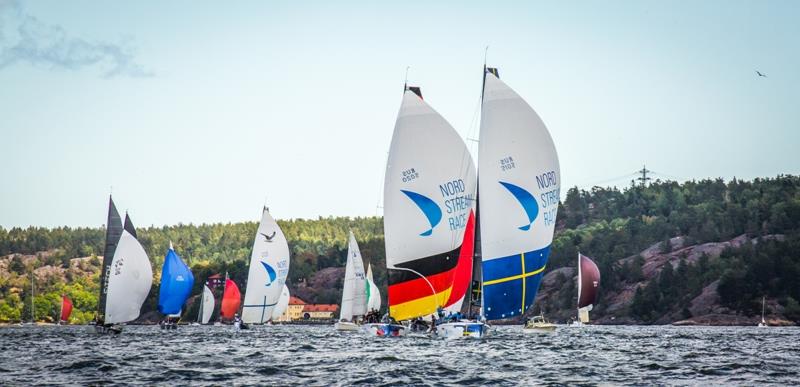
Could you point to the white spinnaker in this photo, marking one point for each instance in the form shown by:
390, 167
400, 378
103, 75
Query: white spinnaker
270, 255
354, 291
130, 279
374, 301
511, 128
425, 155
208, 305
283, 303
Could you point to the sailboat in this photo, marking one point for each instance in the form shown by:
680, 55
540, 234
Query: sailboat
176, 284
518, 194
66, 309
231, 300
588, 283
282, 305
763, 323
269, 266
429, 193
206, 309
373, 293
126, 275
354, 291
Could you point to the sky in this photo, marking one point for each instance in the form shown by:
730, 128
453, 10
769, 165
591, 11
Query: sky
201, 112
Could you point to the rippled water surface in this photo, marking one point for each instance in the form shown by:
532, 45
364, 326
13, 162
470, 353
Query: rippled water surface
316, 355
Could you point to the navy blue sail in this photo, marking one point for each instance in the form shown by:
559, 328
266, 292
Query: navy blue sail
176, 284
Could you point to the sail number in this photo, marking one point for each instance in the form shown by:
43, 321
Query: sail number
409, 175
507, 163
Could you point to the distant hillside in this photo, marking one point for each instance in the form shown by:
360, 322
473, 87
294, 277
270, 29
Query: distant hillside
705, 251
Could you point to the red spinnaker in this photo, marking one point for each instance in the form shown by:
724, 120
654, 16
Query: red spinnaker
462, 276
231, 300
66, 308
590, 281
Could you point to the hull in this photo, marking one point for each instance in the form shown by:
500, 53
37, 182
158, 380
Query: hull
540, 328
385, 330
345, 326
106, 329
462, 329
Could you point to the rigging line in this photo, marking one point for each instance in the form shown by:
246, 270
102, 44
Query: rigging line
595, 183
668, 176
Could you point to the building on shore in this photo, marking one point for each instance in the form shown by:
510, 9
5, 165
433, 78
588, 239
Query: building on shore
320, 311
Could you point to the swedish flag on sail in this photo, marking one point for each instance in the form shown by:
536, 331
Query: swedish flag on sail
510, 283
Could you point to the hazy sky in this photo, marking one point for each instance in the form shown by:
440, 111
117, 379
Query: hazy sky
202, 111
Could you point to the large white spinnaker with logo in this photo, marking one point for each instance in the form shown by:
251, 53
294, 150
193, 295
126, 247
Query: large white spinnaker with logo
130, 277
518, 198
269, 266
354, 291
429, 193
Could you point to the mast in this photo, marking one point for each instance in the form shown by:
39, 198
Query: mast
61, 311
200, 309
578, 301
33, 307
113, 234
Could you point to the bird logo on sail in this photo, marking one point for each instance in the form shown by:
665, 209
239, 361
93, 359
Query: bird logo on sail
268, 237
271, 274
428, 207
526, 200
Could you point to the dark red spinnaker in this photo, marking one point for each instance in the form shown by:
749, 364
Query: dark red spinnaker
588, 281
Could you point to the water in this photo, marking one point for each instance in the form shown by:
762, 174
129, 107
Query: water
316, 355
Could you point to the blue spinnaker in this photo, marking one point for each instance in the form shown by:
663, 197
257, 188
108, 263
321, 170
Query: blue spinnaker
176, 284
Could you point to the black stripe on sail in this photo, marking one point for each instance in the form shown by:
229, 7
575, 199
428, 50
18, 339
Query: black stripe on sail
113, 233
494, 71
129, 226
416, 90
427, 266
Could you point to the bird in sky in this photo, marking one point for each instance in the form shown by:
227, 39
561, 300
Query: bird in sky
760, 74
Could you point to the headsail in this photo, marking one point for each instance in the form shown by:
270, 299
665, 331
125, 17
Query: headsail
588, 283
283, 303
354, 291
129, 278
231, 300
428, 199
206, 305
519, 193
176, 284
269, 266
373, 293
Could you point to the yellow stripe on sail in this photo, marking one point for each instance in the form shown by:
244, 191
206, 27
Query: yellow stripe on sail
514, 277
419, 307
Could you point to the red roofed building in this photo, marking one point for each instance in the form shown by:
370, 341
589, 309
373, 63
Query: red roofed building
320, 311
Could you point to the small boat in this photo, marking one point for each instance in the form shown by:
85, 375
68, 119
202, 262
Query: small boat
588, 282
373, 293
66, 309
466, 329
231, 301
126, 275
206, 309
763, 323
354, 291
269, 267
539, 325
177, 281
384, 329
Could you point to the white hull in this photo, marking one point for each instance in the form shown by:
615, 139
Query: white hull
384, 330
345, 326
543, 328
462, 329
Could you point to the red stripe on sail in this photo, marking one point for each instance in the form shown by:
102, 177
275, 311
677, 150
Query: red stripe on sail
463, 271
418, 288
66, 308
231, 300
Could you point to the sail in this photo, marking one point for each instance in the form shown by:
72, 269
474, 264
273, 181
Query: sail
176, 284
66, 308
282, 305
207, 305
129, 279
373, 293
269, 266
588, 282
354, 291
113, 234
231, 300
519, 193
429, 191
462, 275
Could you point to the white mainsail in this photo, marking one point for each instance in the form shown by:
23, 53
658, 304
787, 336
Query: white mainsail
269, 266
354, 291
207, 305
373, 293
518, 197
129, 280
283, 303
429, 192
